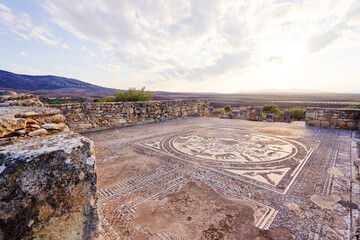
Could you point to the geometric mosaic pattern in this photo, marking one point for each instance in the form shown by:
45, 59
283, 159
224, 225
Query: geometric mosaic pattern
268, 161
277, 174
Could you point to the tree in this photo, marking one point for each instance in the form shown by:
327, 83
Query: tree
227, 108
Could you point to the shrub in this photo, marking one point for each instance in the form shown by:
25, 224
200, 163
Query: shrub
353, 106
218, 110
133, 95
297, 113
280, 113
227, 108
270, 108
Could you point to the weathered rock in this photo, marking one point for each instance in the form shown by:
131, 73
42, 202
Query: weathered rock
38, 132
20, 132
10, 125
287, 117
270, 117
48, 188
51, 126
25, 100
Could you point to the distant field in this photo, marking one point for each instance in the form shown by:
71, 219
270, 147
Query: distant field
283, 100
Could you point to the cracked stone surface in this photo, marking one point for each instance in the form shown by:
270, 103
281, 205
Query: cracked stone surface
48, 188
208, 178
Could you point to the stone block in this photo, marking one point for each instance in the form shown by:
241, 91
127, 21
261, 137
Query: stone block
48, 188
38, 132
10, 125
325, 124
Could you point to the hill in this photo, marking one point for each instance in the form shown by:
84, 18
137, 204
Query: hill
51, 85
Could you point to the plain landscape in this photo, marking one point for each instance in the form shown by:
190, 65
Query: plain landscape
61, 87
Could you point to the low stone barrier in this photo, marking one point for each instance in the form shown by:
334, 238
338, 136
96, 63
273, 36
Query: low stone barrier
85, 116
48, 188
344, 118
249, 113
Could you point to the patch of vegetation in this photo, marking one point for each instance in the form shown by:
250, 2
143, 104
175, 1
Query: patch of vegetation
270, 109
131, 95
280, 113
219, 110
227, 108
61, 100
298, 113
353, 106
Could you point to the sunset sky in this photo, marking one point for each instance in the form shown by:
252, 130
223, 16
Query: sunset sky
186, 45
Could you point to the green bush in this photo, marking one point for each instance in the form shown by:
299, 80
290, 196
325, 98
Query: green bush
280, 113
270, 108
353, 106
227, 108
298, 113
61, 100
133, 95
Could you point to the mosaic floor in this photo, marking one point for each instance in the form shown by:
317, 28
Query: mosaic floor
300, 182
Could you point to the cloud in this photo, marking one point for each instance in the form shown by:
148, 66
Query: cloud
23, 69
65, 46
110, 67
22, 25
276, 59
201, 39
321, 40
25, 54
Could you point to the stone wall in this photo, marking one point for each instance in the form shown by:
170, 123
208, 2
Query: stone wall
48, 188
97, 115
249, 113
10, 98
22, 122
344, 118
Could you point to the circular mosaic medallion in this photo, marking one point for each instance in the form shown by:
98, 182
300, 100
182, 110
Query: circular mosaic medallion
232, 145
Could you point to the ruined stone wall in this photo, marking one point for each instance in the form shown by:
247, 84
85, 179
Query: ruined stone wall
85, 116
248, 113
343, 118
47, 174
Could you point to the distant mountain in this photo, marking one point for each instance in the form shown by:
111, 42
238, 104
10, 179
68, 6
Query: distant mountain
51, 85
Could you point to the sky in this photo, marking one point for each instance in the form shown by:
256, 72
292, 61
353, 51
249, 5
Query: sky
186, 45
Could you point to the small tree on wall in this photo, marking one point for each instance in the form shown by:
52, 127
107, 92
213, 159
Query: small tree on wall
227, 108
132, 95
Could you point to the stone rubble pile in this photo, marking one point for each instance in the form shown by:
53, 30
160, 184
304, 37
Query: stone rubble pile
10, 98
19, 122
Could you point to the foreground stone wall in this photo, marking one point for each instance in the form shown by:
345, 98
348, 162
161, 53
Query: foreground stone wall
24, 122
10, 98
84, 116
343, 118
48, 188
249, 113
